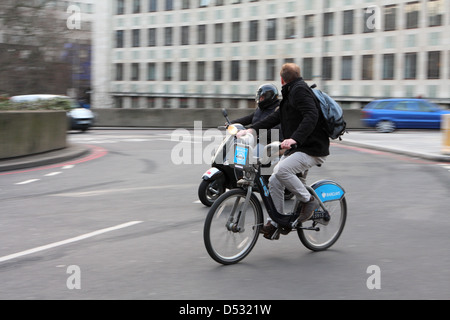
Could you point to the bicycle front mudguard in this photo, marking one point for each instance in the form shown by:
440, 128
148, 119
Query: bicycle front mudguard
328, 190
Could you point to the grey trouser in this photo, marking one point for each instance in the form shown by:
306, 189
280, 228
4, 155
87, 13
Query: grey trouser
285, 175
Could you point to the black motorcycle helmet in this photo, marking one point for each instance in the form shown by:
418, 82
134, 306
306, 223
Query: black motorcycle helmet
266, 95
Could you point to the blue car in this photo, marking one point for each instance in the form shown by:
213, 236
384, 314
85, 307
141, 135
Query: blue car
391, 114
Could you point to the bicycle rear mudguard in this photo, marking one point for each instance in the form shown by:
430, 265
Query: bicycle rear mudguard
328, 190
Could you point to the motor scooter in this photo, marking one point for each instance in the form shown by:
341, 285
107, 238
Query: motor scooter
220, 177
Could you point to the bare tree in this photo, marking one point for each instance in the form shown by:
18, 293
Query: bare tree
32, 42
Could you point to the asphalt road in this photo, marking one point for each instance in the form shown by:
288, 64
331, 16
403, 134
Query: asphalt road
125, 223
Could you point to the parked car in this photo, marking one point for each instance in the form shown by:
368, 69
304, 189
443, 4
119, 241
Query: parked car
390, 114
78, 118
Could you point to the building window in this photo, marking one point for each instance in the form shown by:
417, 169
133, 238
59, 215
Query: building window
167, 71
347, 68
135, 72
367, 67
253, 36
328, 24
152, 5
184, 35
390, 18
204, 3
201, 67
235, 70
119, 39
252, 70
327, 68
152, 37
290, 28
270, 69
435, 12
218, 70
134, 102
169, 5
151, 71
120, 7
308, 67
201, 34
184, 71
271, 29
118, 102
186, 4
136, 36
412, 15
388, 66
168, 38
136, 6
236, 32
410, 65
309, 26
434, 65
119, 71
348, 22
218, 33
151, 103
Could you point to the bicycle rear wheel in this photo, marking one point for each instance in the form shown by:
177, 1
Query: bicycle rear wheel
229, 233
328, 233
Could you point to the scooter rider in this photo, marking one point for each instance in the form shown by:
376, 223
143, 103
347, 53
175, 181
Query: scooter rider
267, 100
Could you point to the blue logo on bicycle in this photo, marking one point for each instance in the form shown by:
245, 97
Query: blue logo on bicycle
266, 190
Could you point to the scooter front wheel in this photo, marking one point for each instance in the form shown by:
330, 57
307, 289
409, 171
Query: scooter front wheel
230, 230
209, 191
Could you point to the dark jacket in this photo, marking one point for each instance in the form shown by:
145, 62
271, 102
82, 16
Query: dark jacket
259, 115
300, 120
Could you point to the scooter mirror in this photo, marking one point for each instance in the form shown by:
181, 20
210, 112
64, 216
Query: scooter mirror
225, 113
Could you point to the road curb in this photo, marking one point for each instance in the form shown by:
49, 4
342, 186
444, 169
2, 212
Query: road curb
410, 153
52, 157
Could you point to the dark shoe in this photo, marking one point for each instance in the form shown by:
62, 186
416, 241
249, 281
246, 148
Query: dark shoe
307, 209
269, 230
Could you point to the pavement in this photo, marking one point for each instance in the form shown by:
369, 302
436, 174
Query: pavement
423, 144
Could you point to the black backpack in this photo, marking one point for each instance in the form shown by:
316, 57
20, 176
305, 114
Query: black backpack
332, 113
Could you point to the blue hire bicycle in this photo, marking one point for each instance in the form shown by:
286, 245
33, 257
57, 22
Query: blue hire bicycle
233, 223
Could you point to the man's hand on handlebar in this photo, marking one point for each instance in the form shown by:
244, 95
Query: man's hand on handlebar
288, 143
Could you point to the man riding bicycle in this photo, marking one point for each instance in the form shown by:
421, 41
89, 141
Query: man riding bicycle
302, 126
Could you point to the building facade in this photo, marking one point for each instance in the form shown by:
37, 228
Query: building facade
216, 53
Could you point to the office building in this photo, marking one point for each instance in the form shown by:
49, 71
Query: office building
216, 53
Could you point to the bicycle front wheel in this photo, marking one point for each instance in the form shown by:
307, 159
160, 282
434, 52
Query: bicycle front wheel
230, 230
328, 233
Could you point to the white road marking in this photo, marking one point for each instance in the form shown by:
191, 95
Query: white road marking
121, 190
71, 240
52, 174
70, 166
27, 182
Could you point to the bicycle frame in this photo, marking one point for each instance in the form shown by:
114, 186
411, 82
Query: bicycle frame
323, 191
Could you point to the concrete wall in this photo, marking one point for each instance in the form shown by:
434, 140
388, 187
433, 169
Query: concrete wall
184, 118
31, 132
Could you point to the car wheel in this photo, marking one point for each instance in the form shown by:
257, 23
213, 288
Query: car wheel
385, 126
